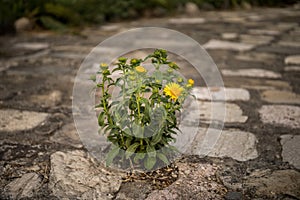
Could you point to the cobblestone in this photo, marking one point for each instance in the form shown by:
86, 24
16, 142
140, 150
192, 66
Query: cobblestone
291, 149
292, 60
283, 115
219, 44
259, 73
16, 120
233, 143
276, 96
217, 94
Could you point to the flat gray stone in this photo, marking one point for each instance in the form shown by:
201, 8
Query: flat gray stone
276, 96
32, 46
229, 36
256, 39
258, 73
291, 149
74, 174
202, 112
226, 45
289, 44
264, 32
50, 99
257, 84
23, 187
284, 115
217, 94
187, 20
233, 143
67, 136
292, 60
257, 57
270, 184
292, 68
17, 120
196, 181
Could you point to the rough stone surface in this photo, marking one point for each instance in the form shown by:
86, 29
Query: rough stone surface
186, 20
256, 39
271, 184
229, 36
291, 149
76, 175
67, 136
288, 116
219, 44
233, 143
292, 68
50, 99
23, 187
202, 112
259, 73
32, 46
218, 94
257, 57
292, 60
276, 96
195, 181
16, 120
264, 32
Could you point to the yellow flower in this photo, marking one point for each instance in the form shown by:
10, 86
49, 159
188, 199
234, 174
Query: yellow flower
140, 69
191, 82
103, 65
173, 90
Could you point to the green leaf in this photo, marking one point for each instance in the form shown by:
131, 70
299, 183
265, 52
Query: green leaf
156, 139
139, 156
163, 158
111, 155
137, 130
131, 150
151, 151
101, 118
150, 162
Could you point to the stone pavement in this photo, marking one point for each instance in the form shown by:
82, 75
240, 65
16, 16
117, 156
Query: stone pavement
256, 157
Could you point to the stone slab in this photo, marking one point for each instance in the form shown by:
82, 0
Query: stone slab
292, 68
196, 181
189, 21
257, 84
67, 136
257, 57
291, 149
221, 94
256, 39
283, 115
50, 99
202, 112
23, 187
276, 96
226, 45
16, 120
232, 143
229, 36
32, 46
270, 184
75, 175
264, 32
258, 73
292, 60
289, 44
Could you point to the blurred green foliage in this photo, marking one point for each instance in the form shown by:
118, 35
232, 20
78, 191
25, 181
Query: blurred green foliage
58, 14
